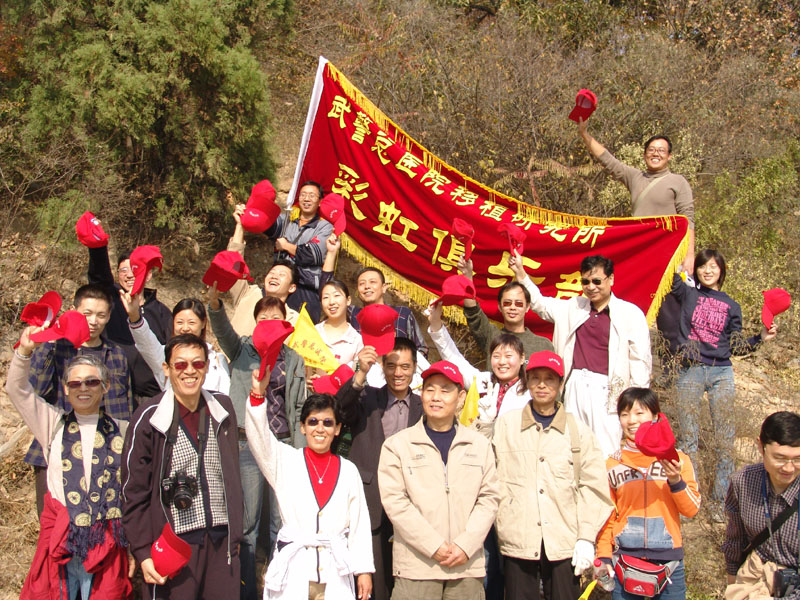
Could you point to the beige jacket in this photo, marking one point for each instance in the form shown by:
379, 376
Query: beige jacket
245, 297
430, 504
539, 499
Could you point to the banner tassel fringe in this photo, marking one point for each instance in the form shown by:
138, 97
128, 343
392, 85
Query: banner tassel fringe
416, 294
665, 285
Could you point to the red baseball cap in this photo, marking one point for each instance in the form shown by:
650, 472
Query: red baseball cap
330, 384
90, 232
169, 553
268, 336
258, 220
227, 268
655, 438
585, 103
332, 210
143, 260
43, 311
463, 232
446, 368
455, 289
377, 327
262, 195
514, 235
71, 325
776, 301
547, 359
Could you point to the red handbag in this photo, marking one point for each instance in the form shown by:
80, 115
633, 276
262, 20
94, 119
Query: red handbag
643, 578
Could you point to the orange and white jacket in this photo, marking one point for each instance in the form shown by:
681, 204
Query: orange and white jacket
646, 522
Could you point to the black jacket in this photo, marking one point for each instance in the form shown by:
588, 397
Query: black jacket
158, 316
142, 457
362, 411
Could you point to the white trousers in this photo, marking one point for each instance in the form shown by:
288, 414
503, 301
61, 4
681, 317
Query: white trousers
586, 397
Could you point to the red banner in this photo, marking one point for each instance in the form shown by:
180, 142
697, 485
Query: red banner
401, 201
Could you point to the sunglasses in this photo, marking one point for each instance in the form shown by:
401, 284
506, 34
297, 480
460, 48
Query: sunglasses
182, 365
595, 281
314, 421
517, 303
89, 383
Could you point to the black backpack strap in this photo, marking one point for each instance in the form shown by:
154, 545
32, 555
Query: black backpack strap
764, 534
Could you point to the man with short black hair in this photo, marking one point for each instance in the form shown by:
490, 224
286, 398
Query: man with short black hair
49, 362
158, 316
373, 415
181, 467
762, 533
439, 488
514, 301
279, 282
604, 341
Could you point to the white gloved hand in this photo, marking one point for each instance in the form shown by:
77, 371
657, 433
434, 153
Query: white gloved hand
487, 403
582, 556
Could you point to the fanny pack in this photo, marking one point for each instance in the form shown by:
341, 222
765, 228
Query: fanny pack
643, 578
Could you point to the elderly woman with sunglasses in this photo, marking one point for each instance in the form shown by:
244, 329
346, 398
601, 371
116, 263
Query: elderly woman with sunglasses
326, 539
89, 556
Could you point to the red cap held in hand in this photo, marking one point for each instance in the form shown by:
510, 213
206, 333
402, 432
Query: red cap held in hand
446, 368
42, 312
377, 327
268, 337
227, 268
515, 237
776, 301
463, 232
260, 211
169, 553
71, 325
585, 104
548, 360
332, 210
143, 260
90, 232
330, 384
455, 289
655, 438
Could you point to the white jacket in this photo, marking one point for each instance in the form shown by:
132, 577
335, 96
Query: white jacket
629, 358
218, 377
328, 544
514, 399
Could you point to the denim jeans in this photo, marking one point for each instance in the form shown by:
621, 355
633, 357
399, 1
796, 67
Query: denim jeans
253, 494
718, 383
675, 590
78, 580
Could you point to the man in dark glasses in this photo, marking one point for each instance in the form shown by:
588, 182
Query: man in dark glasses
181, 468
604, 341
514, 302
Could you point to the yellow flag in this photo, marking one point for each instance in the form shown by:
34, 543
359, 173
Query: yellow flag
470, 411
307, 342
587, 592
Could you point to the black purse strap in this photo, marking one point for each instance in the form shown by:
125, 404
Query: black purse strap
765, 533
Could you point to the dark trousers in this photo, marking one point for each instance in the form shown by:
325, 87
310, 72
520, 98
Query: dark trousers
207, 576
40, 473
523, 577
382, 580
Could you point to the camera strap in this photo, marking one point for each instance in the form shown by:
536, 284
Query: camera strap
772, 526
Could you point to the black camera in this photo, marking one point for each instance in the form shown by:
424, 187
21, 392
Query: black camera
180, 490
786, 582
